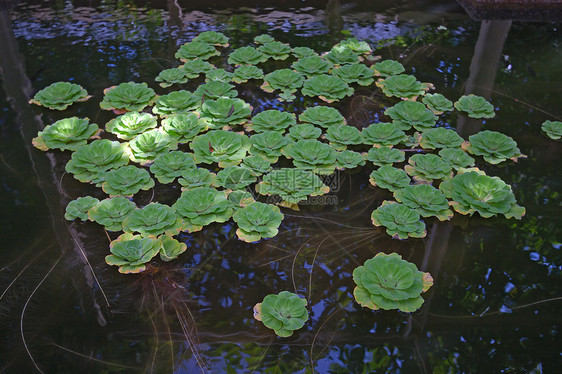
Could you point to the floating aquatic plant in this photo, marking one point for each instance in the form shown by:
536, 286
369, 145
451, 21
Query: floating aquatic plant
389, 282
437, 103
456, 157
128, 97
401, 222
90, 162
268, 144
440, 137
168, 166
312, 155
387, 68
385, 155
79, 208
244, 73
212, 37
263, 38
246, 56
132, 252
553, 129
111, 212
426, 168
275, 50
176, 102
169, 77
285, 80
323, 116
240, 199
355, 73
214, 90
219, 75
225, 112
426, 200
148, 145
349, 159
303, 131
258, 165
312, 65
390, 178
225, 147
196, 177
341, 55
475, 106
196, 50
152, 220
194, 68
411, 113
60, 95
283, 313
494, 146
171, 248
473, 191
292, 185
234, 178
66, 134
403, 86
383, 134
327, 87
302, 52
201, 206
343, 135
257, 221
358, 47
126, 181
272, 120
131, 124
184, 127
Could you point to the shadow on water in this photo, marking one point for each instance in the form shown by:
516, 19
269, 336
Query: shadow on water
497, 283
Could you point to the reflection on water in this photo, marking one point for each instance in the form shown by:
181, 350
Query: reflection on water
497, 283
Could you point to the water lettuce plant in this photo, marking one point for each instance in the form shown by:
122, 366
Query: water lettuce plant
402, 86
456, 157
244, 73
212, 37
153, 220
275, 50
225, 111
475, 106
256, 221
218, 75
303, 131
411, 113
302, 52
553, 129
292, 185
128, 97
126, 181
383, 134
131, 124
426, 168
312, 65
194, 68
184, 127
268, 144
426, 200
196, 50
176, 102
400, 221
169, 77
132, 252
323, 116
341, 55
387, 68
66, 134
440, 137
389, 282
257, 165
285, 80
494, 146
263, 38
473, 191
343, 135
358, 47
234, 178
355, 73
271, 120
171, 248
385, 155
349, 159
390, 178
437, 103
312, 155
227, 148
60, 95
283, 313
214, 90
240, 199
201, 206
90, 162
168, 166
246, 56
78, 208
196, 177
147, 146
328, 88
111, 212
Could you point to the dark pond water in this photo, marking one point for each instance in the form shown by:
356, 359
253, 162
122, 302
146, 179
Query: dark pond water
495, 305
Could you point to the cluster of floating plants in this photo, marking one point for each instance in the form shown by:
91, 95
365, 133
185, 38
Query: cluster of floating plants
183, 137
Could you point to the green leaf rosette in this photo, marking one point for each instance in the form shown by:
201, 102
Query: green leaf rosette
494, 146
169, 77
168, 166
271, 120
385, 156
212, 37
456, 157
234, 178
440, 137
257, 221
219, 75
402, 86
323, 116
387, 68
131, 124
342, 55
258, 165
292, 185
184, 127
227, 148
475, 106
126, 181
349, 159
383, 134
275, 50
283, 313
225, 112
132, 252
246, 56
285, 80
60, 95
355, 73
303, 131
78, 209
111, 212
312, 155
390, 178
328, 88
214, 90
268, 145
400, 221
194, 68
196, 50
437, 103
428, 167
302, 52
406, 114
553, 129
128, 97
342, 136
171, 248
244, 73
312, 65
240, 199
426, 200
66, 134
149, 145
201, 206
196, 177
177, 102
153, 220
